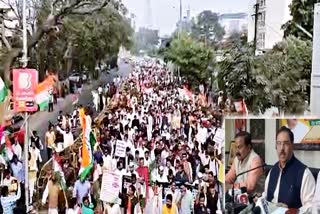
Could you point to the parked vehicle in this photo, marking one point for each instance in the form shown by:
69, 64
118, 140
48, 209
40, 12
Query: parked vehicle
75, 77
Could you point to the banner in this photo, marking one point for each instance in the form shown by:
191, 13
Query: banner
121, 147
25, 81
110, 186
304, 130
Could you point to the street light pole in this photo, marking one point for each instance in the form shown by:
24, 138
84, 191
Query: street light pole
24, 62
315, 74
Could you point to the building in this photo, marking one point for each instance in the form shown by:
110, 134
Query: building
272, 15
233, 22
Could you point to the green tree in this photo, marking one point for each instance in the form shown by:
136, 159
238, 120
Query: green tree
237, 76
302, 12
285, 73
206, 27
48, 42
192, 57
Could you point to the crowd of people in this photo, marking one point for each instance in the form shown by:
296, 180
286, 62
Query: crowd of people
156, 137
162, 141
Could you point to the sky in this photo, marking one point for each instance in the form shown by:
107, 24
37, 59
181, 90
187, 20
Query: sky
165, 13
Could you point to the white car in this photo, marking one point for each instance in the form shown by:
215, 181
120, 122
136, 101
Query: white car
75, 77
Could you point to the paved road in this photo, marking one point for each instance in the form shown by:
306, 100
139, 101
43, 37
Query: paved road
40, 120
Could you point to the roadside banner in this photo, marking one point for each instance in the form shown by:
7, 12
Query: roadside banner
25, 81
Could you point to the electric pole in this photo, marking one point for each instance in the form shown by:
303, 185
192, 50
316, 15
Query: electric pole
256, 19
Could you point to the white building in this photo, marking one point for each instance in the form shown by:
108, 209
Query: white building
233, 22
273, 14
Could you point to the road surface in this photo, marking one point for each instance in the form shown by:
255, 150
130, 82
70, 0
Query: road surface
40, 120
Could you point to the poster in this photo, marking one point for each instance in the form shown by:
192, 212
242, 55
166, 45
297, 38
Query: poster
110, 186
304, 130
219, 137
24, 84
121, 147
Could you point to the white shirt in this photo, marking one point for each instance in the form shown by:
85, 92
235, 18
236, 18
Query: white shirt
115, 209
307, 190
17, 150
67, 137
35, 152
316, 199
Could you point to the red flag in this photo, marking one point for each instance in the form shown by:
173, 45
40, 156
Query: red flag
244, 107
144, 173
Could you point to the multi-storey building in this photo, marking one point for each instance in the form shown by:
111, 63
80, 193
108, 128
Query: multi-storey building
272, 15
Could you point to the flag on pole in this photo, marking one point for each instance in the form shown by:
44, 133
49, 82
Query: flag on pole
3, 91
6, 147
58, 170
42, 92
88, 142
244, 107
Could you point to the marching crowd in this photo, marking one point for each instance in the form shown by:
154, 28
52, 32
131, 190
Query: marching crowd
161, 142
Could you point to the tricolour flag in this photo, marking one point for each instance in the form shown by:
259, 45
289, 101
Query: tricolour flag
6, 147
88, 142
42, 92
57, 168
3, 91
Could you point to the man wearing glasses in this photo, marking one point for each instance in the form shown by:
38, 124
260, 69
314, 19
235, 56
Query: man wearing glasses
290, 183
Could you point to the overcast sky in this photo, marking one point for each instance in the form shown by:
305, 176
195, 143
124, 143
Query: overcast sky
165, 13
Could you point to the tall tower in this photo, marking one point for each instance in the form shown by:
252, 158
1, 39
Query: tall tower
148, 15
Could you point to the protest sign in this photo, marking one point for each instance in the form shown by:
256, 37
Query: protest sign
219, 137
110, 186
120, 149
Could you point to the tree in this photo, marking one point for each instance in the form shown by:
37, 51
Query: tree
237, 76
302, 12
280, 78
192, 57
97, 38
50, 17
285, 73
206, 27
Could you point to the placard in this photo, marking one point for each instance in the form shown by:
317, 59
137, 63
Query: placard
219, 136
25, 81
121, 147
110, 186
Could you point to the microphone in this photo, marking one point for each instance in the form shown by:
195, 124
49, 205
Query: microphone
262, 203
256, 210
243, 197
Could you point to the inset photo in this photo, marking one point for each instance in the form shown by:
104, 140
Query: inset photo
272, 165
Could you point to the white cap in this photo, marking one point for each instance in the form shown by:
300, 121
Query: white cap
161, 168
200, 175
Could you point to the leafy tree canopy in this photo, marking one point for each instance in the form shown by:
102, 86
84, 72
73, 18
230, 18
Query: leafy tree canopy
192, 57
207, 28
302, 12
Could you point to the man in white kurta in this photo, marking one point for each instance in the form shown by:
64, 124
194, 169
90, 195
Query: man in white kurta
289, 182
149, 127
316, 199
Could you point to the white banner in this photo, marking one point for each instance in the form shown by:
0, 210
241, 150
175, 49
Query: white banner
121, 147
110, 187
